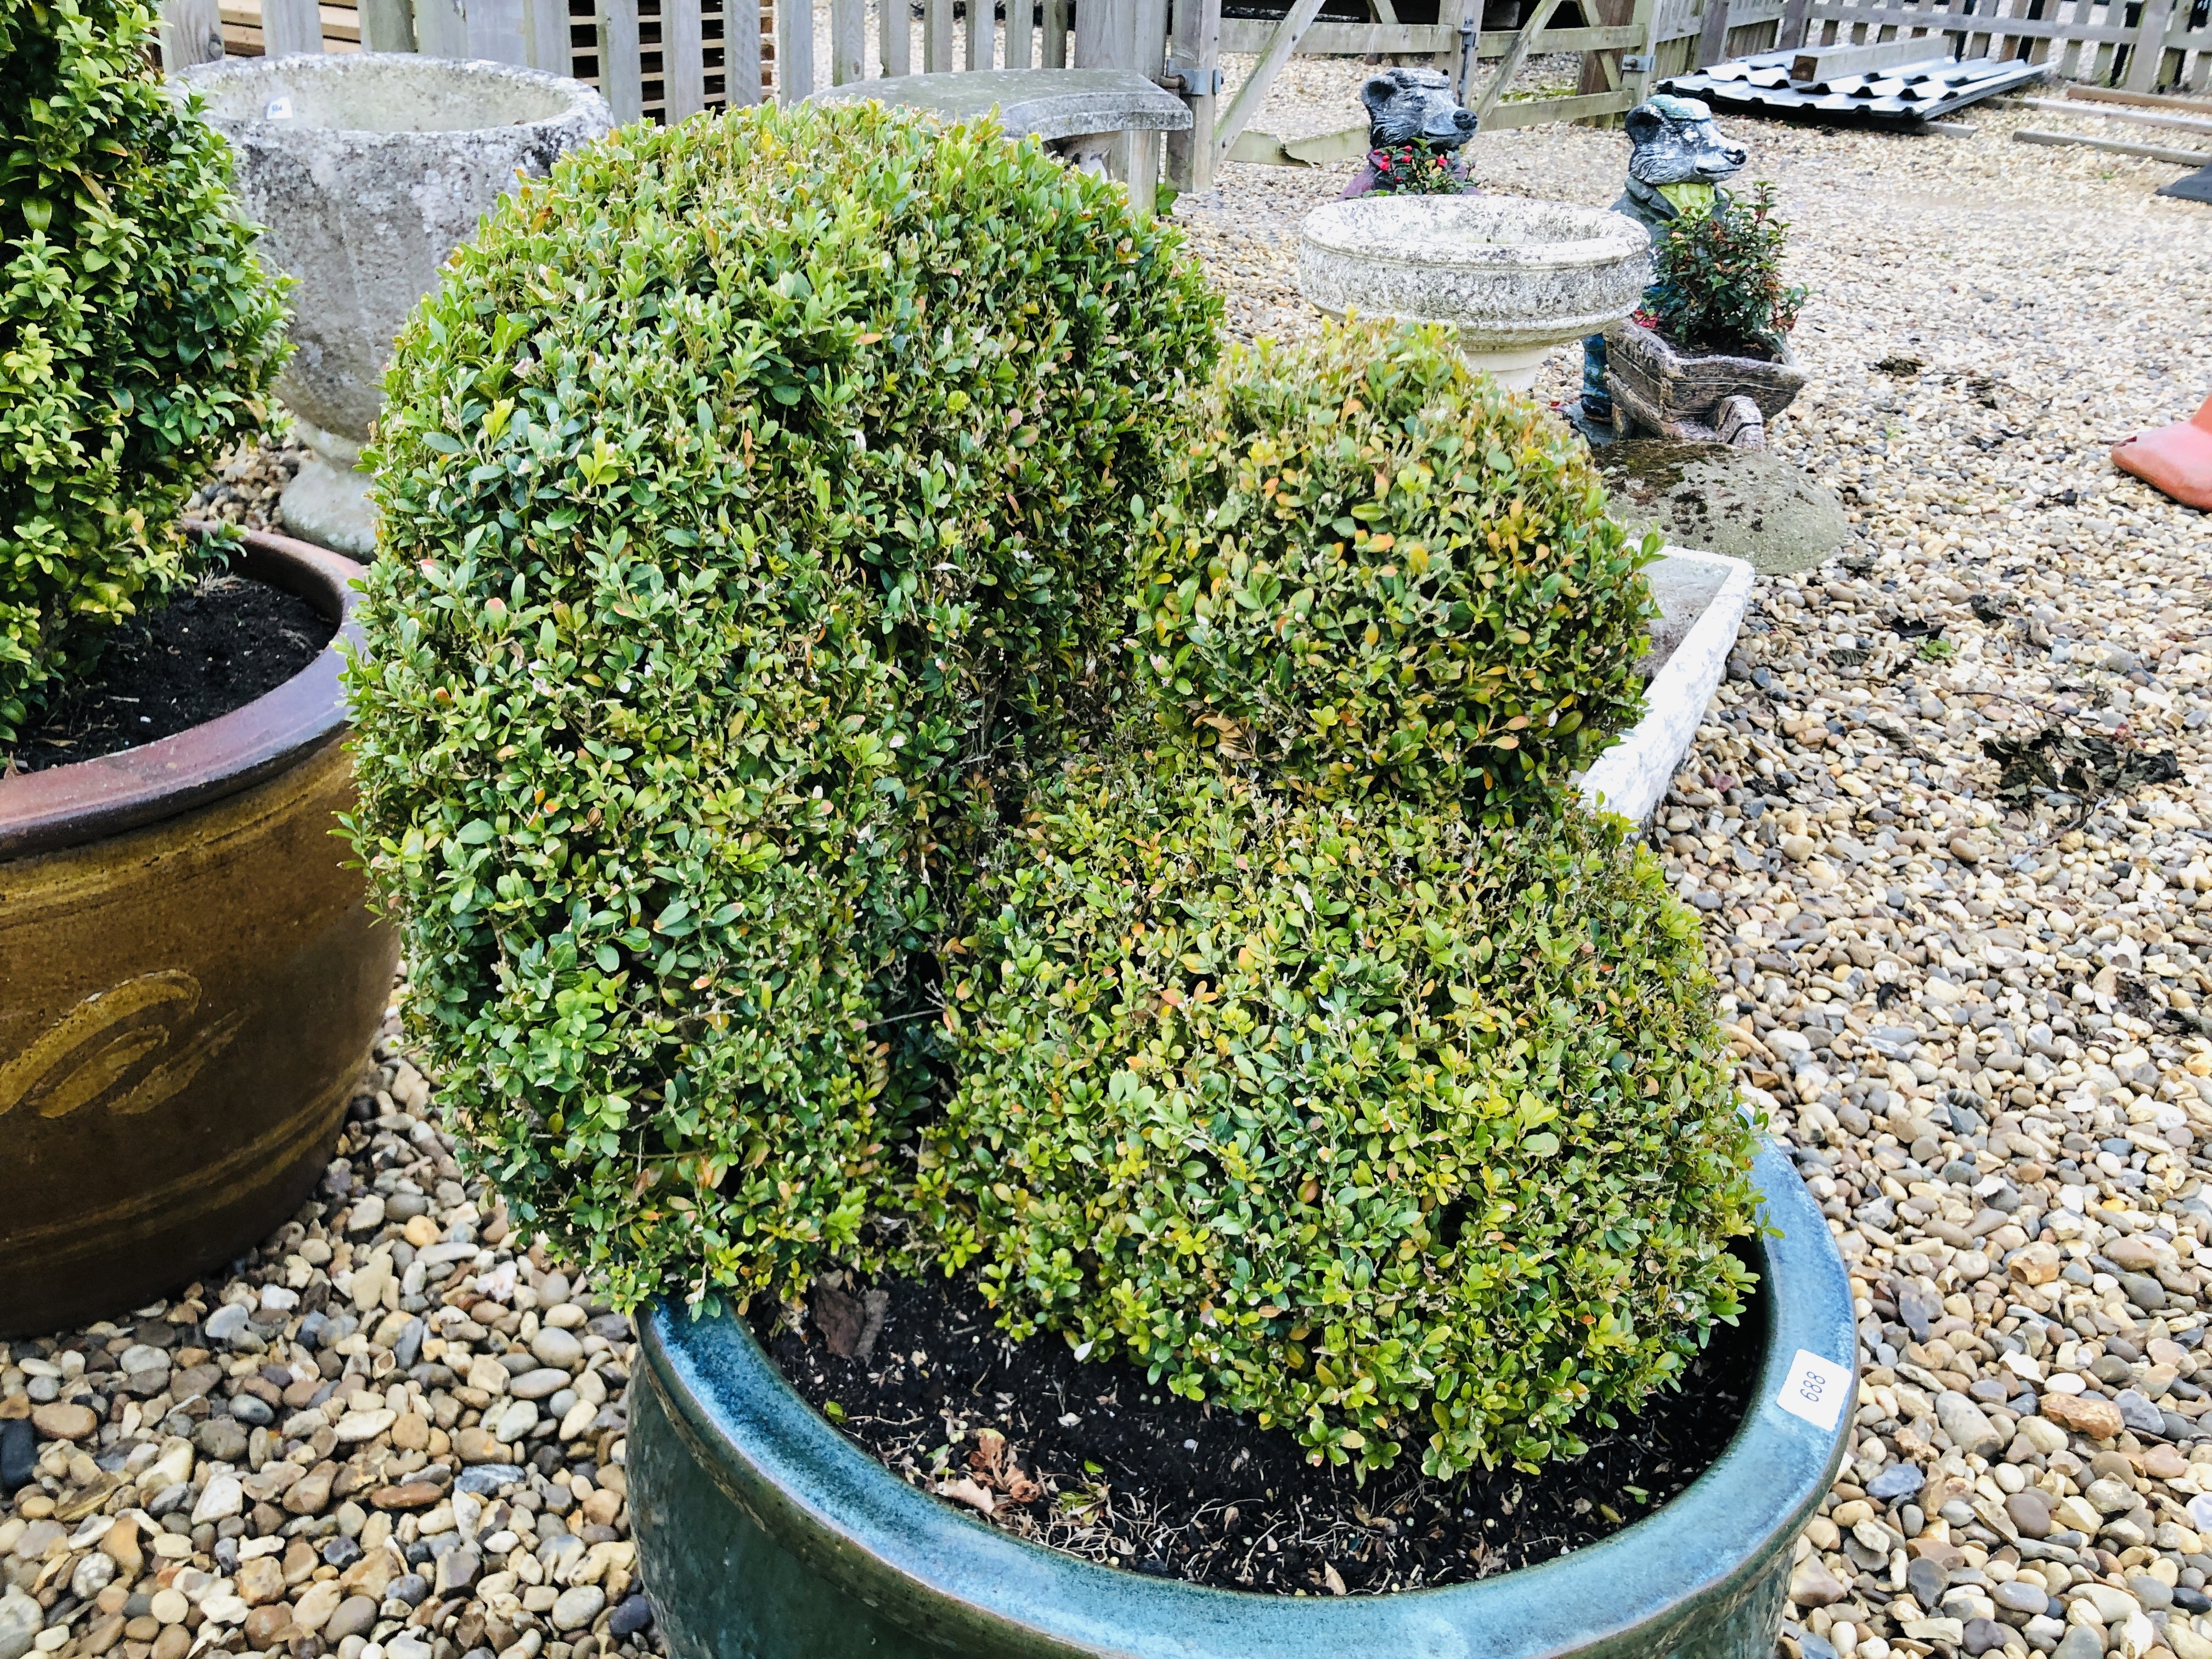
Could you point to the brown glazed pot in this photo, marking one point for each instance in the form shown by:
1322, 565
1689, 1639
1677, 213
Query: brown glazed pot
189, 984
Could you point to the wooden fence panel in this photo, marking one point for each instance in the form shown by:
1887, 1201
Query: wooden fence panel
1056, 34
848, 30
682, 61
980, 35
794, 49
191, 32
289, 27
621, 80
936, 36
897, 45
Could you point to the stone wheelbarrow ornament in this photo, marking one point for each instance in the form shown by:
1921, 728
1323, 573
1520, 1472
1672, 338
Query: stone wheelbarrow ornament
1635, 382
1416, 137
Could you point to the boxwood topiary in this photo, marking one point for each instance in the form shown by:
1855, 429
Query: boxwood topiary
1376, 569
752, 492
1360, 1118
141, 336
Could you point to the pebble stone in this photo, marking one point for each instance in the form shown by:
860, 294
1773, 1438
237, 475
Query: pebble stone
293, 1461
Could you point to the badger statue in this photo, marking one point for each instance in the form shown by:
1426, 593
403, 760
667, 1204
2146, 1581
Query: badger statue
1679, 157
1412, 106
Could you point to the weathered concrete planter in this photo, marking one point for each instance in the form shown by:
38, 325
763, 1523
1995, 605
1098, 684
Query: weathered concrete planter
1518, 279
367, 169
190, 985
1656, 389
1702, 599
762, 1531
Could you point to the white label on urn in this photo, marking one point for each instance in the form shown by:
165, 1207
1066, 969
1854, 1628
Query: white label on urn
280, 109
1815, 1390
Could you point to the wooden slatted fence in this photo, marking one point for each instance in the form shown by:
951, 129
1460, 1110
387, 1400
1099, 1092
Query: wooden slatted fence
656, 59
2142, 44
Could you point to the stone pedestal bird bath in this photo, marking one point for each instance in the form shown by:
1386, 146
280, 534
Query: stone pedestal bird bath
1518, 279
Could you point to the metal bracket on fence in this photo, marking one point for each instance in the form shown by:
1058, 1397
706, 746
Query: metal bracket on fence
1192, 80
1637, 62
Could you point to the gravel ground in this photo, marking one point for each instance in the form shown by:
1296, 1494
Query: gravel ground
1971, 1002
390, 1434
244, 487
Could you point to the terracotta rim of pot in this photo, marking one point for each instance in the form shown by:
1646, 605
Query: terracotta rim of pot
910, 1557
67, 806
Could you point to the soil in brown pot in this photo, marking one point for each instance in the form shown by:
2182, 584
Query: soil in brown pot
1094, 1459
208, 652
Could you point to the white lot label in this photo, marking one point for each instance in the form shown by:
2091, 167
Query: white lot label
1814, 1389
280, 109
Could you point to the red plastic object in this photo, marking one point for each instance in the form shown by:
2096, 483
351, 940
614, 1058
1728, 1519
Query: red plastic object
2177, 459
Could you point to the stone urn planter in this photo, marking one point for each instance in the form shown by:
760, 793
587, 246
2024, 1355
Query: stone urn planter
366, 170
1518, 279
762, 1530
1659, 391
192, 982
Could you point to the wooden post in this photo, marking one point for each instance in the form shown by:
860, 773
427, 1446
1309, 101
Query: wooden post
545, 33
1646, 24
682, 61
1712, 35
441, 30
290, 27
388, 25
1254, 92
2147, 51
620, 80
895, 49
849, 40
936, 36
1021, 24
1148, 46
794, 51
191, 32
1796, 18
981, 34
1196, 40
741, 53
1055, 55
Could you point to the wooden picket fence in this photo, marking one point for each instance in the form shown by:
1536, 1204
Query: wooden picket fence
665, 59
2142, 44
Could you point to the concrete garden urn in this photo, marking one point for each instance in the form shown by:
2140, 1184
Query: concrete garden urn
366, 170
1518, 279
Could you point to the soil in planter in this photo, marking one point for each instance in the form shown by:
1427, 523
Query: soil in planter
209, 651
1092, 1459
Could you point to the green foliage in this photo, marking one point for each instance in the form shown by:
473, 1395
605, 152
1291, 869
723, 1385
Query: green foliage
1416, 168
1355, 1117
1718, 281
138, 335
755, 494
1376, 569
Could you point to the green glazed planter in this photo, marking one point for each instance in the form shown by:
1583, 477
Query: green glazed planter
763, 1533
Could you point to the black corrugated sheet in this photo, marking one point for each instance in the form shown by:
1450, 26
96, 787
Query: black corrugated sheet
1901, 97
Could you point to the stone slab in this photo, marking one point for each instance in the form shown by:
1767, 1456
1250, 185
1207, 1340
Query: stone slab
1702, 597
1044, 104
1747, 503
